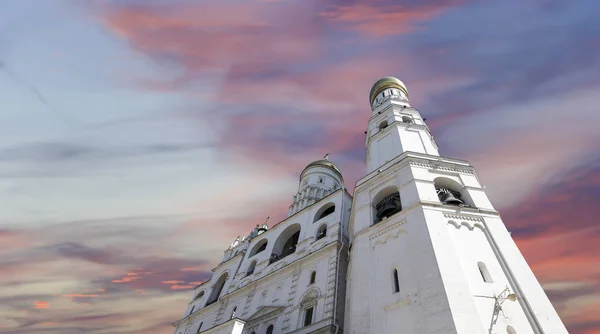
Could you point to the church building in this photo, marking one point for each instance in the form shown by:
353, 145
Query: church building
417, 249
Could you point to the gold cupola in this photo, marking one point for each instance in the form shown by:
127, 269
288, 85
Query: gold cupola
385, 83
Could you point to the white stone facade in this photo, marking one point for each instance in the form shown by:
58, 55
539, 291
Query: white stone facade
419, 250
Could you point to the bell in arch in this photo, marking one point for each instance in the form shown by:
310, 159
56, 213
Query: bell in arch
449, 197
389, 206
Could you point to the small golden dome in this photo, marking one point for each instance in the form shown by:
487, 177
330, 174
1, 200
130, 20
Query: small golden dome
323, 163
385, 83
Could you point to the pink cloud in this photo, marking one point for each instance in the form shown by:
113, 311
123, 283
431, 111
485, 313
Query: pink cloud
182, 287
40, 305
382, 20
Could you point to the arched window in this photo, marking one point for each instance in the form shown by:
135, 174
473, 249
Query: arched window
286, 243
192, 310
199, 295
199, 328
325, 211
308, 304
313, 277
217, 288
251, 267
258, 247
407, 119
233, 312
270, 329
387, 203
485, 274
395, 278
382, 125
510, 330
322, 231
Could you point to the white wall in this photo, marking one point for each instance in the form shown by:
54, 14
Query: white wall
282, 283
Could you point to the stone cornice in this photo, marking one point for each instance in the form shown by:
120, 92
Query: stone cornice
374, 178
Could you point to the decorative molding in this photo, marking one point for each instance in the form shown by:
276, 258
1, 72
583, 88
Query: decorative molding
440, 165
388, 229
464, 217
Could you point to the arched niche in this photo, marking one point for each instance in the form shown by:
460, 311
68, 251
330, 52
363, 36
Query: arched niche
199, 295
386, 203
321, 232
324, 211
251, 268
407, 119
259, 247
451, 192
217, 288
286, 243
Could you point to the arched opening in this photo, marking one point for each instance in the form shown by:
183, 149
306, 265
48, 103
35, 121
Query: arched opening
270, 329
233, 312
510, 330
199, 327
199, 295
259, 247
407, 119
485, 274
396, 283
308, 304
451, 192
286, 243
192, 310
251, 267
325, 211
217, 288
386, 203
382, 125
322, 231
313, 277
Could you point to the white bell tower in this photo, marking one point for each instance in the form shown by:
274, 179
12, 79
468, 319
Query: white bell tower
429, 253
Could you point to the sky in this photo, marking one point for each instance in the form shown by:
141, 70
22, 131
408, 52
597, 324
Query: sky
138, 138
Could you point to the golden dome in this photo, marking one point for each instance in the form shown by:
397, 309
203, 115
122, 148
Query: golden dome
323, 163
385, 83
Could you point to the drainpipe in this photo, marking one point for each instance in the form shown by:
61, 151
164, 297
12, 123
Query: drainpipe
337, 266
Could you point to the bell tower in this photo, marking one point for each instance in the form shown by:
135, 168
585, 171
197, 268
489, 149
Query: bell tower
428, 251
394, 127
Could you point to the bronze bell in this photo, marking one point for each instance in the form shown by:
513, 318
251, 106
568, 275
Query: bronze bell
447, 197
388, 206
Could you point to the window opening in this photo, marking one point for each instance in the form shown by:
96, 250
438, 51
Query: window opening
251, 268
313, 276
217, 289
485, 274
199, 327
308, 315
396, 284
383, 125
192, 310
233, 312
388, 206
322, 232
200, 295
270, 329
